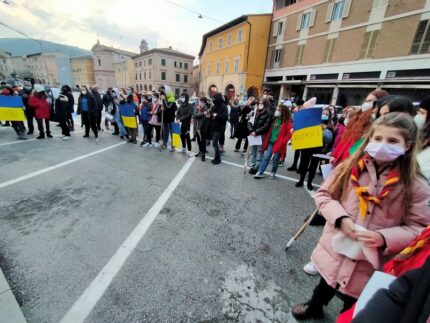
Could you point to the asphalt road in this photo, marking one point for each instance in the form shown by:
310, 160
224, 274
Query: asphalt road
213, 253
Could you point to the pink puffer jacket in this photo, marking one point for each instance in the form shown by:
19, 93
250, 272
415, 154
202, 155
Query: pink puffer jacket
399, 222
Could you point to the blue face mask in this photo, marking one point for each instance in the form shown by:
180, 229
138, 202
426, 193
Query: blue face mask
324, 117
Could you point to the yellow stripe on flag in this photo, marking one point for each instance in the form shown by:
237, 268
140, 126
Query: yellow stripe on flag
176, 140
12, 114
129, 122
307, 138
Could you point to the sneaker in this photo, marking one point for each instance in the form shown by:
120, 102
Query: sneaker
86, 136
190, 154
65, 137
292, 168
142, 143
62, 136
236, 150
181, 150
258, 175
310, 269
150, 145
216, 161
146, 145
171, 149
156, 145
41, 137
243, 155
252, 171
163, 146
272, 176
299, 184
305, 311
281, 164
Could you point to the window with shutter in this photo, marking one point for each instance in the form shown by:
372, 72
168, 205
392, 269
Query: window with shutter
275, 29
299, 21
421, 42
299, 54
368, 46
329, 12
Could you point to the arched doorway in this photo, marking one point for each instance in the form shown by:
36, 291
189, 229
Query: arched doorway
230, 91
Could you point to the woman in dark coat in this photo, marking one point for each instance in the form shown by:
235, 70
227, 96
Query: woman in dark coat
241, 131
87, 106
63, 104
202, 123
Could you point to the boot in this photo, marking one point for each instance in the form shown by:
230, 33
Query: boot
306, 311
197, 155
48, 134
203, 157
41, 136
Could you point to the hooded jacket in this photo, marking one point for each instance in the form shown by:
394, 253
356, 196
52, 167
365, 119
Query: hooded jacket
170, 108
185, 114
219, 113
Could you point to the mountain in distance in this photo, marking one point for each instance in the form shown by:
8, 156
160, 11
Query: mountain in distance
23, 46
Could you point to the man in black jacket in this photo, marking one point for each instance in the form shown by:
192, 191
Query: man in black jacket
219, 116
99, 105
260, 127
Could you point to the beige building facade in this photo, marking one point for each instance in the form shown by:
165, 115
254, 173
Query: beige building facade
163, 66
338, 50
82, 70
6, 67
21, 66
104, 59
124, 74
51, 68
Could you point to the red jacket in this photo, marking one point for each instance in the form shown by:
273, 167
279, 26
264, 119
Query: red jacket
40, 106
284, 135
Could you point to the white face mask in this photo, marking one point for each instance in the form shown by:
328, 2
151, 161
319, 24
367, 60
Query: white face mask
345, 122
366, 106
84, 92
155, 100
182, 100
277, 113
260, 106
420, 120
384, 152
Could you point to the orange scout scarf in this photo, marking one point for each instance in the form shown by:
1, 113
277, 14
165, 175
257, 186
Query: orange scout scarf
363, 191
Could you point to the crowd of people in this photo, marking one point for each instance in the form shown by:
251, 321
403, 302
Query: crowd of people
377, 195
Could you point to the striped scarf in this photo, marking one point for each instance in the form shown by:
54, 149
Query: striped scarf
362, 192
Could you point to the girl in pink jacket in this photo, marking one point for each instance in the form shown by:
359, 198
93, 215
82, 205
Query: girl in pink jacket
378, 200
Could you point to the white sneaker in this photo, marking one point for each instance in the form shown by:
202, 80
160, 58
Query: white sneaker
181, 150
190, 154
310, 269
62, 136
272, 176
156, 145
65, 137
172, 149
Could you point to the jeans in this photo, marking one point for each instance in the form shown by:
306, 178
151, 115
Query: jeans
233, 126
256, 156
121, 127
215, 144
266, 160
145, 129
167, 130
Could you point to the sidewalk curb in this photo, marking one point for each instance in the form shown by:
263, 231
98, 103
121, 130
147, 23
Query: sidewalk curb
9, 307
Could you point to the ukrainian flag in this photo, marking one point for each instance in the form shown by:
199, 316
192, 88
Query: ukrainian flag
176, 135
307, 129
11, 108
127, 114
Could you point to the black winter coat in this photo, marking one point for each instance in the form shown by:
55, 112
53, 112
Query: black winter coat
242, 125
170, 109
92, 108
62, 108
262, 123
201, 122
219, 121
98, 100
184, 115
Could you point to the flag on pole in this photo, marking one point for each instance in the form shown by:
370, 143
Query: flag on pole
176, 135
127, 114
11, 108
307, 129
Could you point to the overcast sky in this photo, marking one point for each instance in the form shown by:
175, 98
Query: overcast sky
123, 23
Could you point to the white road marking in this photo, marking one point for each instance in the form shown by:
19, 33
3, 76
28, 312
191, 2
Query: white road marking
50, 168
280, 176
32, 139
86, 302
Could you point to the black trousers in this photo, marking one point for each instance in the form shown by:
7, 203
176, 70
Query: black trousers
65, 130
222, 138
19, 127
216, 141
185, 139
309, 163
239, 143
150, 128
29, 114
89, 122
201, 141
40, 126
296, 158
324, 293
70, 122
99, 121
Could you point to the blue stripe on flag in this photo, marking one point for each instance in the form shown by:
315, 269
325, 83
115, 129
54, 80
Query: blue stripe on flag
307, 118
127, 109
11, 101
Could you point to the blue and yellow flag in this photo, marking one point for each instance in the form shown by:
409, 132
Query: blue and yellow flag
176, 135
127, 114
11, 108
307, 129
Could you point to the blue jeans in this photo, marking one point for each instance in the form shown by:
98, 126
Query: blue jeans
167, 129
266, 160
144, 127
118, 120
256, 156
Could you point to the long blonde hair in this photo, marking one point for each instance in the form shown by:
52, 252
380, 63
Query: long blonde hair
409, 169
